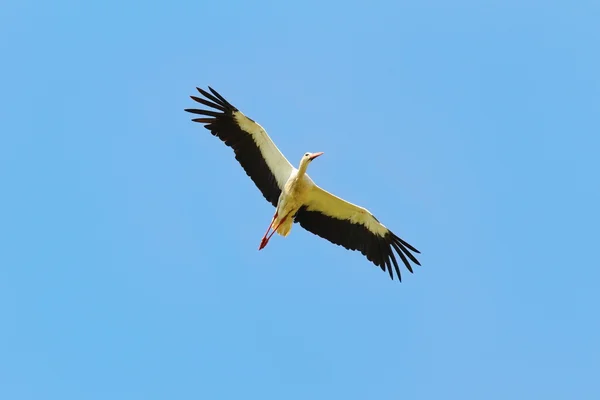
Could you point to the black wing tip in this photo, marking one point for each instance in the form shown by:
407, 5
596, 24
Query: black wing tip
218, 107
192, 110
403, 249
405, 243
216, 98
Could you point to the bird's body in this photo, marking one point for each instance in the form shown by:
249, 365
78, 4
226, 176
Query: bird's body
292, 197
294, 194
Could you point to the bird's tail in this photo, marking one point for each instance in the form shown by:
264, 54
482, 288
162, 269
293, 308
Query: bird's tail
285, 228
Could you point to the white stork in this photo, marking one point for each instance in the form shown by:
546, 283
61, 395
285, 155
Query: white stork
296, 197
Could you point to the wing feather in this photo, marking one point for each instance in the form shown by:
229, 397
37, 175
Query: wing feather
354, 228
253, 148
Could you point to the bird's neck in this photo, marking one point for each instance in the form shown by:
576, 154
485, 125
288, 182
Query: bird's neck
302, 169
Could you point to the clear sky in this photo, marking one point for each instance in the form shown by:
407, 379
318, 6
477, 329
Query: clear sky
129, 266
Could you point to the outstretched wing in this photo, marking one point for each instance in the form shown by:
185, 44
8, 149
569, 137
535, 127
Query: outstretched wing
254, 149
354, 228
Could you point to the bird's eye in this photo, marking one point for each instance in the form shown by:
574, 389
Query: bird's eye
306, 155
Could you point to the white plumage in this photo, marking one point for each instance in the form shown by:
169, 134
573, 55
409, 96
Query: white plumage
296, 197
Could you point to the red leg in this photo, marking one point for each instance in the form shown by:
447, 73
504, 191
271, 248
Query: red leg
265, 239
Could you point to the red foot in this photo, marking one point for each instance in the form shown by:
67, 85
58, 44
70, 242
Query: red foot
263, 243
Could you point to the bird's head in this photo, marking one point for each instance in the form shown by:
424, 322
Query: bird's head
308, 157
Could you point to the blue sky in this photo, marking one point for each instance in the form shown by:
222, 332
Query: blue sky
129, 262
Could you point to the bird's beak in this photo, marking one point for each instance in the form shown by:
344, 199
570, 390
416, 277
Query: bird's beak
315, 155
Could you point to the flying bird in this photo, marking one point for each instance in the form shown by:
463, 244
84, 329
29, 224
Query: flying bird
294, 194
